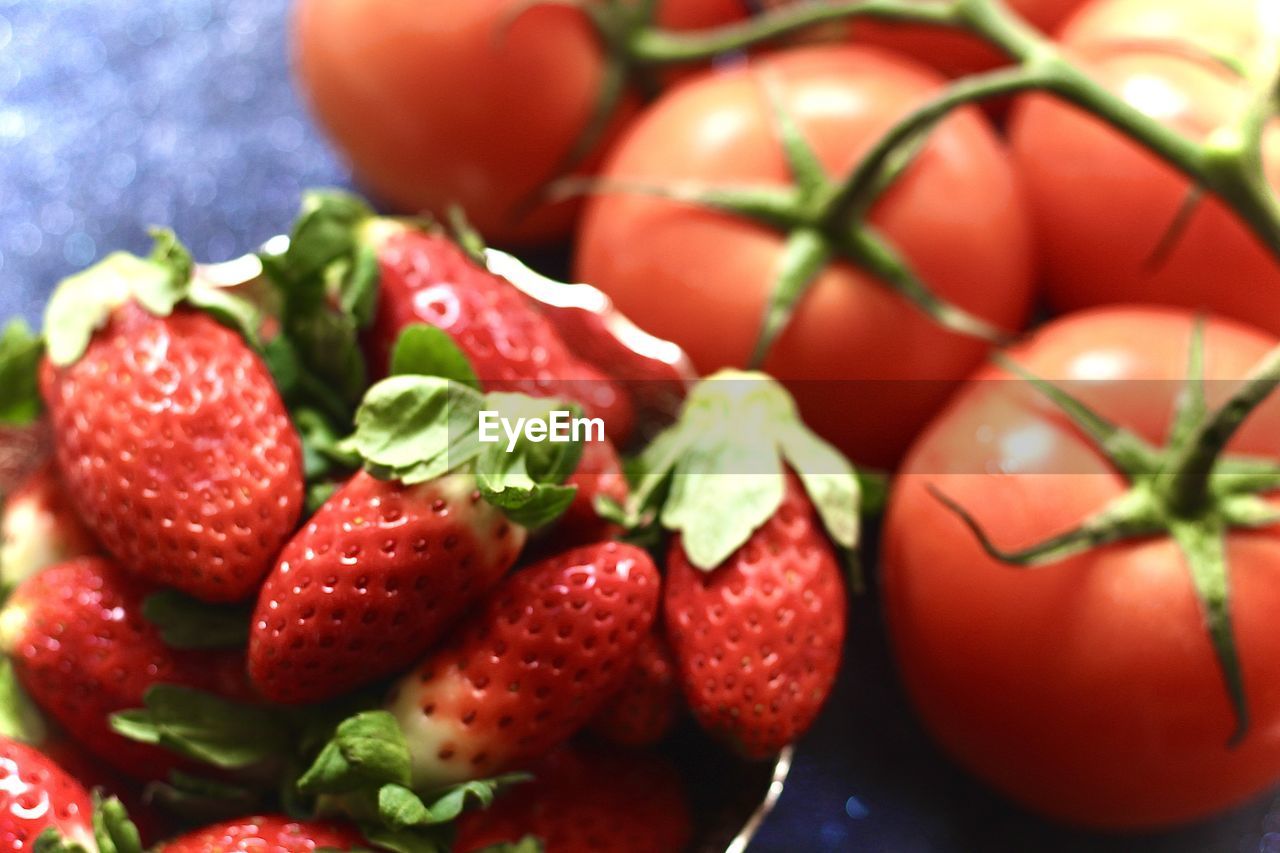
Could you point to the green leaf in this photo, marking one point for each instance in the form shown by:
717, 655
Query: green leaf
428, 351
204, 727
20, 353
171, 255
187, 623
358, 293
327, 230
228, 308
401, 808
416, 428
433, 840
52, 841
82, 303
366, 752
200, 800
523, 478
828, 478
716, 503
19, 717
112, 829
717, 475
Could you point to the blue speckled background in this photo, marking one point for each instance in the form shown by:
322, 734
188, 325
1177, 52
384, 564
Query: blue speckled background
115, 115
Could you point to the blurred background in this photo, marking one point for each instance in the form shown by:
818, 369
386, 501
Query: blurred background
116, 115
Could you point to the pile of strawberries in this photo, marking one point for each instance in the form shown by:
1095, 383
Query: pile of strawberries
270, 570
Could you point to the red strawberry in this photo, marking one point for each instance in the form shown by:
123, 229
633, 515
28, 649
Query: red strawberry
426, 278
531, 667
94, 775
758, 639
267, 834
588, 801
372, 581
36, 794
644, 711
39, 528
754, 600
177, 451
83, 650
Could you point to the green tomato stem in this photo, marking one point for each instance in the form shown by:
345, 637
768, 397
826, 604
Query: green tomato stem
1187, 483
662, 47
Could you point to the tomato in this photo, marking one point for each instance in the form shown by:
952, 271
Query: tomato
1104, 205
953, 53
437, 102
867, 367
1086, 689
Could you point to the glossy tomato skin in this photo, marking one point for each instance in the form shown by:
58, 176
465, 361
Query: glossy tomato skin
1087, 689
866, 365
437, 102
1103, 205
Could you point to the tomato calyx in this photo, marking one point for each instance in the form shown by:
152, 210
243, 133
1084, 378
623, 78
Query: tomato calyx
1189, 490
824, 220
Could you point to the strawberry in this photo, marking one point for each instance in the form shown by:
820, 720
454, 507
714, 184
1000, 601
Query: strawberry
172, 440
423, 277
267, 834
389, 561
519, 676
758, 640
754, 600
644, 711
38, 527
372, 581
83, 650
36, 794
588, 800
532, 666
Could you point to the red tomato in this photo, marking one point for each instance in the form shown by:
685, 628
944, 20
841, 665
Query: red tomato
1086, 689
953, 53
434, 103
1103, 204
702, 279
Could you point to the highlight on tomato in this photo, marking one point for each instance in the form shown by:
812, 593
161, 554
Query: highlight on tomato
709, 231
478, 103
1114, 222
1081, 582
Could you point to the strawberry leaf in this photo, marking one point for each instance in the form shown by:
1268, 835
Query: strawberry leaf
327, 280
20, 353
524, 478
366, 752
82, 303
199, 800
416, 428
204, 727
407, 840
717, 474
426, 350
401, 808
112, 829
53, 841
19, 717
186, 623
